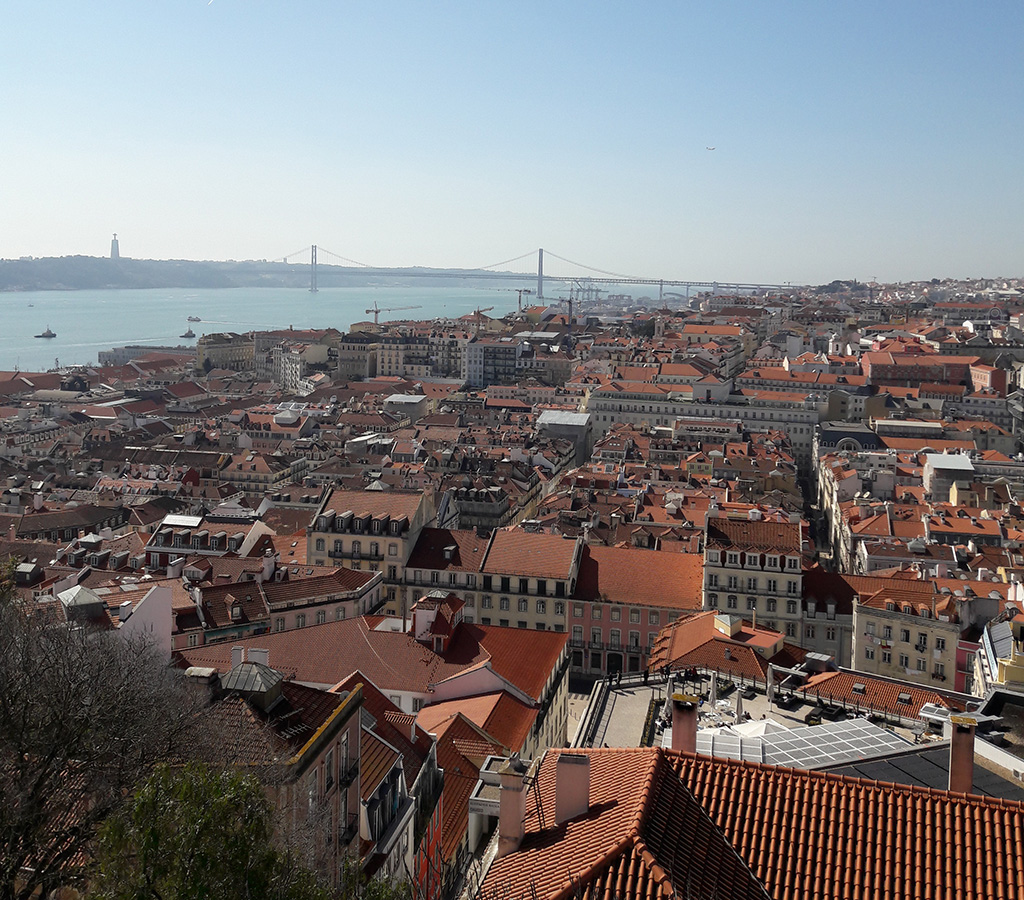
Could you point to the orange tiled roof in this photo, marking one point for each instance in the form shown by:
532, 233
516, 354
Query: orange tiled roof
774, 831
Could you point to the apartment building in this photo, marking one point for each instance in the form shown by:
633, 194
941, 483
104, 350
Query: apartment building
755, 569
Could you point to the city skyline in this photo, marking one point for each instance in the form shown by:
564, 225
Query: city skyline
790, 143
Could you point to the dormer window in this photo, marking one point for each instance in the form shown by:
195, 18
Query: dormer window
733, 559
713, 556
772, 562
891, 607
236, 612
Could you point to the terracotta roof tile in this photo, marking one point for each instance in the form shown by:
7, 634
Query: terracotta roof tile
524, 554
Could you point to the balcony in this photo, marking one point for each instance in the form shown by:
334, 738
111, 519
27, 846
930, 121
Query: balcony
350, 829
577, 643
596, 645
348, 773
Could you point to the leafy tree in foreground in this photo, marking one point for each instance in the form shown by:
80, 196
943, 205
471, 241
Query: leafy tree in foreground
197, 833
84, 716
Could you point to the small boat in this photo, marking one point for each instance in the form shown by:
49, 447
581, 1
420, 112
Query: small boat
194, 319
47, 333
188, 334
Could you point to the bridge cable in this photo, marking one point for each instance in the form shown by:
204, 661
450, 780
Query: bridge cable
354, 262
505, 262
304, 251
591, 268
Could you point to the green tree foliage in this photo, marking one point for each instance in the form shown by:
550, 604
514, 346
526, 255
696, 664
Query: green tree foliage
197, 833
84, 715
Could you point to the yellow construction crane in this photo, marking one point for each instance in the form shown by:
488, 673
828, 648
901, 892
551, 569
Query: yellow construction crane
377, 310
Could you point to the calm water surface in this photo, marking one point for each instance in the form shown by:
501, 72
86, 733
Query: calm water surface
89, 321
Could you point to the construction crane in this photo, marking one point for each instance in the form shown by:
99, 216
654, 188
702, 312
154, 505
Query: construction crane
377, 310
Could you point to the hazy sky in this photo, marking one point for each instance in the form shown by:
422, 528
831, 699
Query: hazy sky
852, 139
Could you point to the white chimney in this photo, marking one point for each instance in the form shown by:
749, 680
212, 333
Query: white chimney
124, 611
684, 723
269, 565
175, 567
511, 806
572, 786
37, 500
961, 754
237, 656
261, 655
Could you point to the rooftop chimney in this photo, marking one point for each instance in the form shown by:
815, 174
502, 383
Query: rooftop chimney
237, 656
961, 754
684, 723
261, 655
572, 786
511, 806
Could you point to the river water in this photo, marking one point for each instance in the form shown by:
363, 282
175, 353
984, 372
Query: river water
89, 321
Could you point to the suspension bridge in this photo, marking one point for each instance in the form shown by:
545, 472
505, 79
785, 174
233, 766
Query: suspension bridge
587, 283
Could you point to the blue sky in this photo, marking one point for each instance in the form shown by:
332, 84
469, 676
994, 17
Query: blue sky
851, 139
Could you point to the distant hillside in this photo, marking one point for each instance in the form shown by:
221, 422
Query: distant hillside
72, 273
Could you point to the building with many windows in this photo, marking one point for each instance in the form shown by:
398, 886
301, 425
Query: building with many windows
755, 569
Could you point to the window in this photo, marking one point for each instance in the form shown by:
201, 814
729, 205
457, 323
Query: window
392, 573
524, 585
792, 588
321, 616
905, 635
435, 577
830, 635
904, 660
521, 623
559, 608
734, 583
869, 652
487, 582
339, 613
338, 547
486, 601
542, 607
577, 610
595, 636
523, 604
886, 656
634, 617
329, 769
320, 544
452, 578
392, 549
653, 617
751, 604
712, 579
559, 588
542, 587
485, 620
771, 562
713, 601
922, 664
773, 586
887, 632
577, 633
193, 639
713, 556
506, 583
940, 643
595, 611
615, 638
751, 584
940, 671
634, 639
809, 632
374, 548
357, 549
733, 559
300, 620
616, 614
792, 562
503, 604
791, 629
311, 791
732, 601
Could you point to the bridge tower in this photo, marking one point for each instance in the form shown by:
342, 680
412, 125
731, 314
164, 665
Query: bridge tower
540, 274
312, 270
